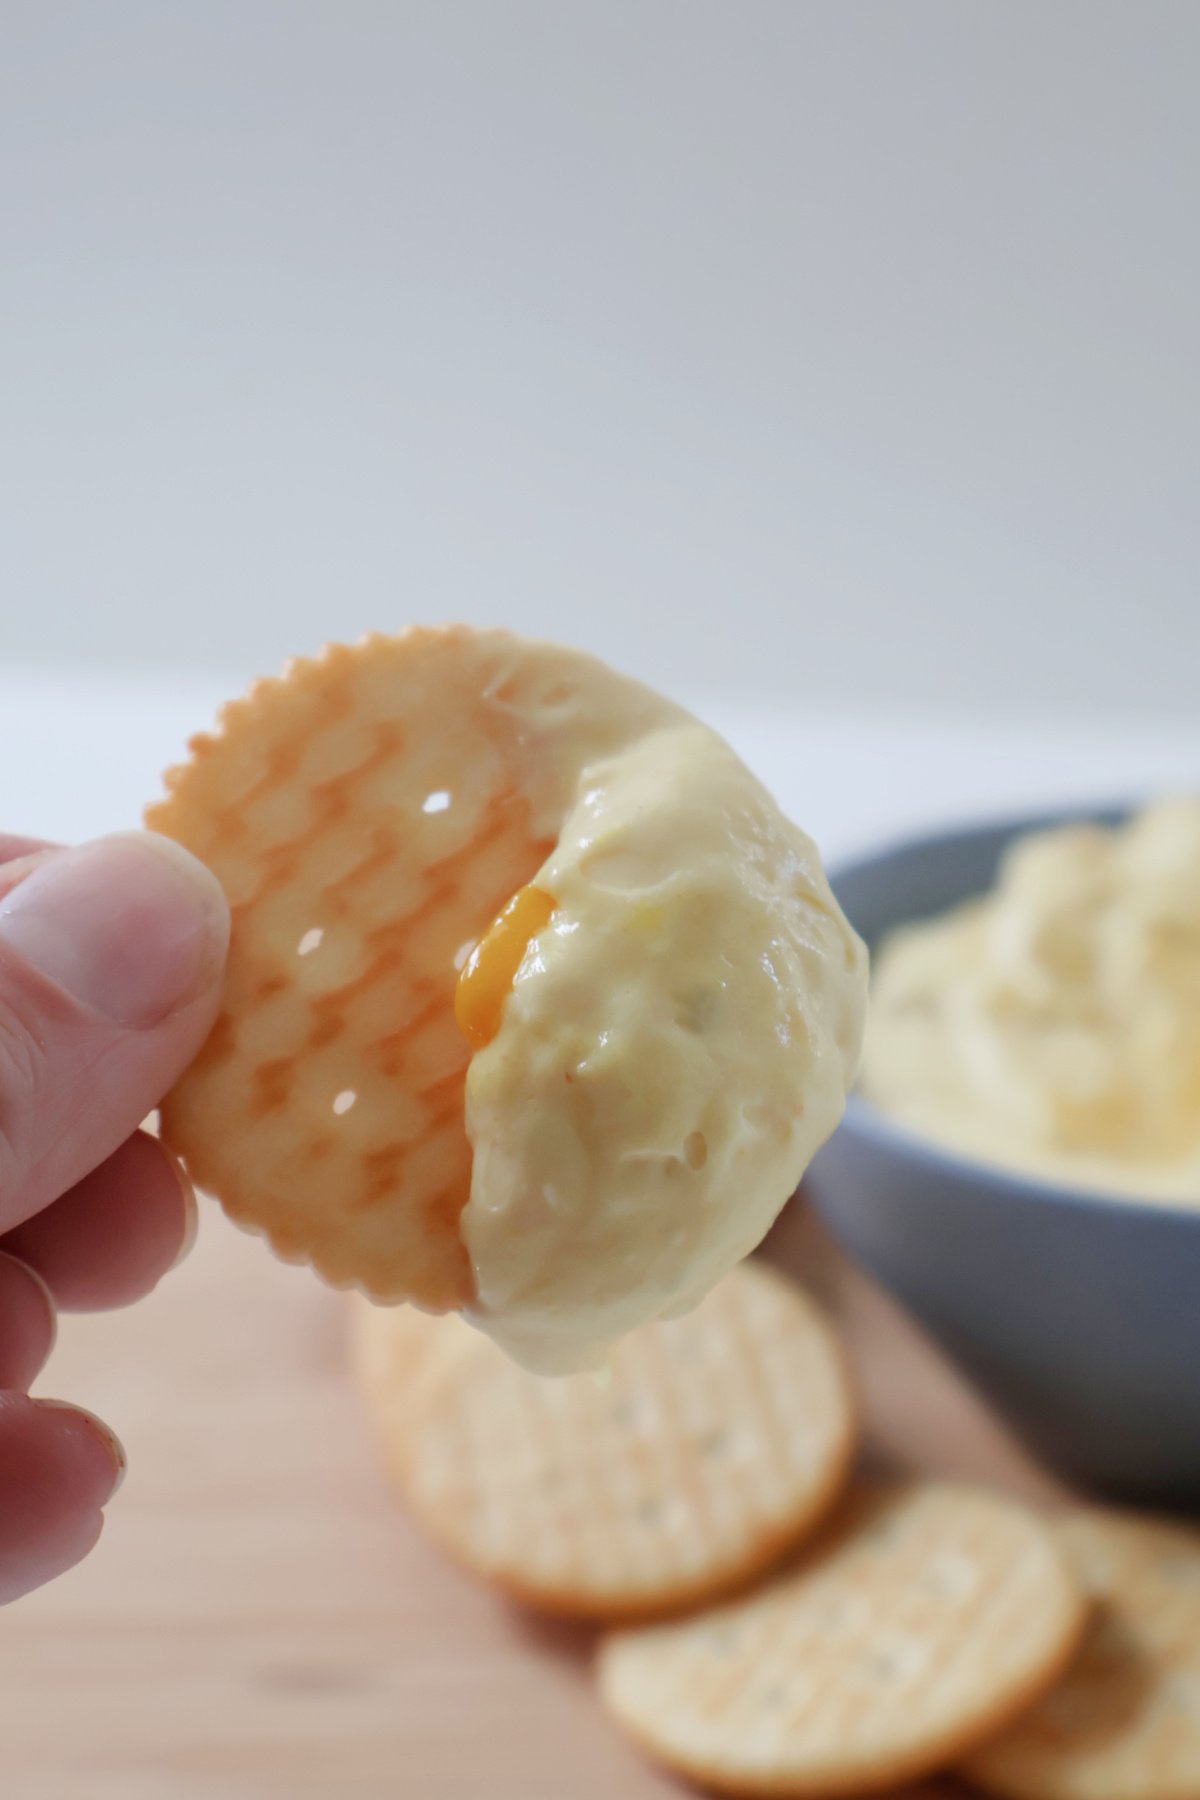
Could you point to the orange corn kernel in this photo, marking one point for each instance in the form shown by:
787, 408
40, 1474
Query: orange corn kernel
489, 972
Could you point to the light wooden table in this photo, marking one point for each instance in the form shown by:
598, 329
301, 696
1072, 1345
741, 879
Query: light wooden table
260, 1620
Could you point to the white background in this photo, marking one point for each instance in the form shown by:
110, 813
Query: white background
829, 355
830, 363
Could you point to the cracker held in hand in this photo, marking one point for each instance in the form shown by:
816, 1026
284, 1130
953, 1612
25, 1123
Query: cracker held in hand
368, 815
714, 1444
1124, 1724
536, 1004
928, 1617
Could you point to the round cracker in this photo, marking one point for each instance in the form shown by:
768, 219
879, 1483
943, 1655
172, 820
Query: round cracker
929, 1616
368, 814
394, 1352
1125, 1722
711, 1445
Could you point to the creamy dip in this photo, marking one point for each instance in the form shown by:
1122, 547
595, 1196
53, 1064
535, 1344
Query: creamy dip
679, 1039
1053, 1025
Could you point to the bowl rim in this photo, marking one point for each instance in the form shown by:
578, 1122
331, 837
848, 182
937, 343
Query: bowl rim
1003, 823
864, 1116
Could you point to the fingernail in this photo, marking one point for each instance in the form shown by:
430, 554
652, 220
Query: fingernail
108, 1440
132, 926
26, 1340
42, 1285
191, 1210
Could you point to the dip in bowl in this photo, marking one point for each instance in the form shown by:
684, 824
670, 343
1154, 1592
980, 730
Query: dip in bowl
1073, 1304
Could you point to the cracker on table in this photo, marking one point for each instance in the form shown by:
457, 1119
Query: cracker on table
925, 1618
1124, 1724
394, 1352
710, 1446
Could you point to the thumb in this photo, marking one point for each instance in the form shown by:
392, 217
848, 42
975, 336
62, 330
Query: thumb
110, 965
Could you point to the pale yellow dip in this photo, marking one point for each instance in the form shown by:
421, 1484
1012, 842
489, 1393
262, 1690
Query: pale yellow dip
678, 1042
1053, 1026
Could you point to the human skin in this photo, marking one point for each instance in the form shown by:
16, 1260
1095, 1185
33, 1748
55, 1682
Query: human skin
110, 965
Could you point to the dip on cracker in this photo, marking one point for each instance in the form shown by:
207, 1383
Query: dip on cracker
537, 1007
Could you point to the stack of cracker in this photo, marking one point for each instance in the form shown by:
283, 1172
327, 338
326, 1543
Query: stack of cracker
776, 1626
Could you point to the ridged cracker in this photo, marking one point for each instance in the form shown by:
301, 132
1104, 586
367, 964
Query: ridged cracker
394, 1352
929, 1616
713, 1444
1125, 1722
368, 815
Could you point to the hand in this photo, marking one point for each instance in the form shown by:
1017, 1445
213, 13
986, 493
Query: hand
110, 963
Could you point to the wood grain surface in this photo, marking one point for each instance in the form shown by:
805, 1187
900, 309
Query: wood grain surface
260, 1620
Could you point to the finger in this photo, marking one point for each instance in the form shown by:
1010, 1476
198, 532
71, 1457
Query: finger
14, 869
27, 1324
12, 847
112, 1237
59, 1466
110, 963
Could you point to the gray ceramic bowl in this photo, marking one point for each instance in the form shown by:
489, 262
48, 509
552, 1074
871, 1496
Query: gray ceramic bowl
1079, 1314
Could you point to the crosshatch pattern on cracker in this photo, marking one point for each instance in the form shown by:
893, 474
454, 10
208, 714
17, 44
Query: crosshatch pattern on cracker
365, 816
711, 1446
925, 1619
1125, 1722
